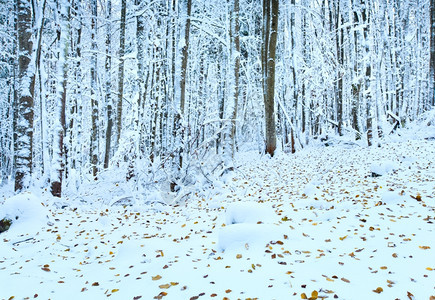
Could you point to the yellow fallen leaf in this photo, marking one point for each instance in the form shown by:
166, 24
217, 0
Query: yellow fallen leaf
424, 247
165, 286
239, 256
429, 269
304, 296
342, 238
384, 268
378, 290
174, 283
115, 290
158, 277
314, 294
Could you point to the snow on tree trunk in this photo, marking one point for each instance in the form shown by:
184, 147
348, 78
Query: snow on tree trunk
24, 103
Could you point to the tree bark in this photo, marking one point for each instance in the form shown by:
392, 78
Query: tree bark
121, 71
58, 162
23, 141
270, 39
108, 84
432, 53
94, 102
184, 60
236, 34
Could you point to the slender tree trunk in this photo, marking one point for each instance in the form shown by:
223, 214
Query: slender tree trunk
432, 53
121, 71
23, 141
108, 84
94, 102
236, 55
184, 59
340, 57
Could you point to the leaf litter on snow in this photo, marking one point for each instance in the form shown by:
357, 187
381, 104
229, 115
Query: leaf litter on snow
316, 224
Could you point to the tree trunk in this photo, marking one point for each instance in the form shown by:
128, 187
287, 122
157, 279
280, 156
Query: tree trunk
108, 84
432, 53
94, 102
184, 59
23, 141
270, 39
236, 53
121, 71
58, 162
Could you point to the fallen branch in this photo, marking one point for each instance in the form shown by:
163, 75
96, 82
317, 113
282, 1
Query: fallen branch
19, 242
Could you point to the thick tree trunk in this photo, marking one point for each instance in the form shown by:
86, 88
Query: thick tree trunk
58, 162
23, 141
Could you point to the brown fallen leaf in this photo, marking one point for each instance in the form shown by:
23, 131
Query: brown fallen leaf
157, 277
378, 290
161, 295
165, 286
345, 280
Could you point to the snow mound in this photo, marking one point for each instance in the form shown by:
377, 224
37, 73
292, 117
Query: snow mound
249, 212
383, 168
26, 212
246, 236
392, 197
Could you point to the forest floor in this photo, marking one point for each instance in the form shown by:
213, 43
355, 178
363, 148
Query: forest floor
313, 225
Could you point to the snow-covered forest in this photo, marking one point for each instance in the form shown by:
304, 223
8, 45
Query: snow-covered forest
157, 89
288, 143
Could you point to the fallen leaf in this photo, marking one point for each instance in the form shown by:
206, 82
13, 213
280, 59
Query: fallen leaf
378, 290
345, 280
424, 247
95, 284
304, 296
115, 290
161, 295
158, 277
165, 286
343, 238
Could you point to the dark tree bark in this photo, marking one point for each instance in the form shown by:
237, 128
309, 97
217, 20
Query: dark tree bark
270, 34
24, 103
184, 60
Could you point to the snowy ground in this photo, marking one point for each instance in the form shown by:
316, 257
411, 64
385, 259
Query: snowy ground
310, 225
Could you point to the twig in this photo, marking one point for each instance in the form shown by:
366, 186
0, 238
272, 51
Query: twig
19, 242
